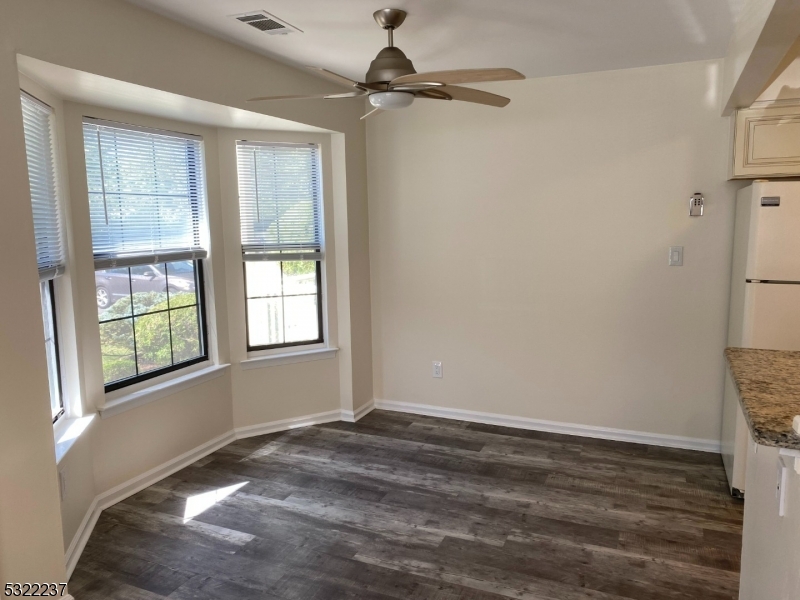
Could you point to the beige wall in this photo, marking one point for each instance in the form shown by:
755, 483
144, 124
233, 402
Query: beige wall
115, 39
136, 441
78, 465
526, 248
30, 521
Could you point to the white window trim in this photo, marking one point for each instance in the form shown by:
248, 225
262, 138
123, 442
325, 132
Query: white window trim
316, 352
298, 352
66, 338
143, 386
287, 350
120, 403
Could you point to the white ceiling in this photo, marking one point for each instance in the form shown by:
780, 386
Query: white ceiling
537, 37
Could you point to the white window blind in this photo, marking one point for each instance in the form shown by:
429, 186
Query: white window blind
146, 194
38, 123
280, 201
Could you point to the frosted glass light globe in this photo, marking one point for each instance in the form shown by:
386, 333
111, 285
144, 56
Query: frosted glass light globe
391, 100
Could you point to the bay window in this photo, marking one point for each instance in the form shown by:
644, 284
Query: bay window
147, 211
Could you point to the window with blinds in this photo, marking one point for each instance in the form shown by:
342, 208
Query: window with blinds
148, 216
280, 207
146, 194
37, 121
280, 204
38, 124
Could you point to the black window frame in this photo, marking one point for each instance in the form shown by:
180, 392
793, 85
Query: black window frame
320, 325
54, 316
202, 324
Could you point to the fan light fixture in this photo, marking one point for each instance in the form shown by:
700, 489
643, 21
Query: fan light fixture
391, 100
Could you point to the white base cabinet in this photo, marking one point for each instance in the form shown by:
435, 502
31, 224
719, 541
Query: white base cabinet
770, 542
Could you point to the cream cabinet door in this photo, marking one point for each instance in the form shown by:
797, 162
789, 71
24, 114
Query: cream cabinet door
767, 142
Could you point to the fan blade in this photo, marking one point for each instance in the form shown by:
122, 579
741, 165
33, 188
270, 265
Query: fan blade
265, 98
340, 79
374, 111
460, 76
357, 94
415, 87
454, 92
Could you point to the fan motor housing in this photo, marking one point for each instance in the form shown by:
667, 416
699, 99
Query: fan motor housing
390, 63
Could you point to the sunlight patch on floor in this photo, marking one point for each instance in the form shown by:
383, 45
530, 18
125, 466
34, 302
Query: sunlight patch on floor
200, 503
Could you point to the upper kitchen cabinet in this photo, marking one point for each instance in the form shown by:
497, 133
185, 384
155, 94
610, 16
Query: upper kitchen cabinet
767, 142
767, 134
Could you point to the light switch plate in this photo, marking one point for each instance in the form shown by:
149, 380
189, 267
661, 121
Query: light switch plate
437, 369
676, 256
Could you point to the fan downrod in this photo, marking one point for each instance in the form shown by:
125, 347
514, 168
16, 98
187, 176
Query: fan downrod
390, 18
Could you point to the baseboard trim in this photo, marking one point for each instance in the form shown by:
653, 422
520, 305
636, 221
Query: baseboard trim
355, 416
284, 424
78, 543
605, 433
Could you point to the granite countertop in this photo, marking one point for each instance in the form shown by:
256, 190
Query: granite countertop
769, 392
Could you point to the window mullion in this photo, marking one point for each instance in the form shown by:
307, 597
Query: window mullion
169, 316
133, 322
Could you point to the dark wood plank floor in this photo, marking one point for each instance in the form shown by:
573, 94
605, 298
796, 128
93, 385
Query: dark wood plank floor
400, 506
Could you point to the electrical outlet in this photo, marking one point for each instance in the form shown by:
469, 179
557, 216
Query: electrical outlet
62, 484
437, 369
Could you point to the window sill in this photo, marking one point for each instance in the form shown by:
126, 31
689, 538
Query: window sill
288, 358
160, 390
66, 433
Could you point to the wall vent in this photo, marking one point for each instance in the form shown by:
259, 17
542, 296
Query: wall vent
267, 23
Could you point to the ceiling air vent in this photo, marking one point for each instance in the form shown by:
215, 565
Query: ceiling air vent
263, 21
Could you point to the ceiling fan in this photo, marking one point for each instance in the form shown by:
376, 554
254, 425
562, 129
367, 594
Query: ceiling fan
392, 82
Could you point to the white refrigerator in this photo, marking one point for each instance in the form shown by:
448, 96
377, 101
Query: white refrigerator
765, 296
